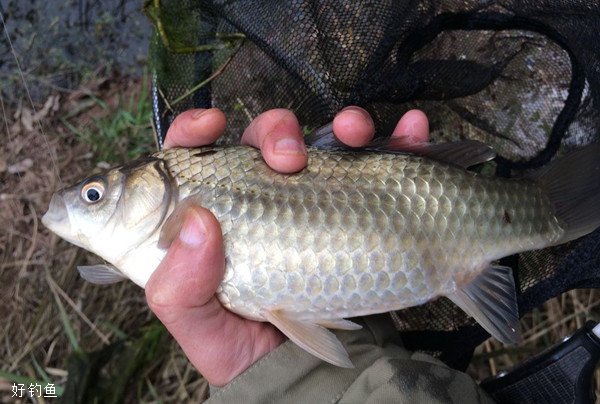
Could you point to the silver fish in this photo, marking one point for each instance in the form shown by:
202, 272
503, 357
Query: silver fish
355, 233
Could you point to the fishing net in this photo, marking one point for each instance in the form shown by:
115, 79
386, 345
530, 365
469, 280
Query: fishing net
522, 76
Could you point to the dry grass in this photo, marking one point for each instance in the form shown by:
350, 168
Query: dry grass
38, 275
545, 326
38, 279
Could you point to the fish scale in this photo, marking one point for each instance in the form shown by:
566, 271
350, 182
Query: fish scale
355, 233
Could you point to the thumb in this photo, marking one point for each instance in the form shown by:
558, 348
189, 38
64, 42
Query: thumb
181, 292
188, 277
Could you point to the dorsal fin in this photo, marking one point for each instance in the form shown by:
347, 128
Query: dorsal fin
462, 153
323, 138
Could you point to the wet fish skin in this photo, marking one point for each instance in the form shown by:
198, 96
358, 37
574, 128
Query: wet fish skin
354, 233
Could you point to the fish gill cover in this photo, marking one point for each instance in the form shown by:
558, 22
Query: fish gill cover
521, 76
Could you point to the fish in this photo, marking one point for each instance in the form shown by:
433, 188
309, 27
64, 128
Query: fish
357, 232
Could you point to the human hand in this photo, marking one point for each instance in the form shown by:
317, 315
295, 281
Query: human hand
181, 292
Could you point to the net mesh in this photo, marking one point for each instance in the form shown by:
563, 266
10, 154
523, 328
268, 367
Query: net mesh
521, 76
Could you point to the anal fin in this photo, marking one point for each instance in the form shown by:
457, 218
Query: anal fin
340, 324
311, 337
491, 299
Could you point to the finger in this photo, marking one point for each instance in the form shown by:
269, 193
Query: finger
220, 344
278, 135
196, 127
192, 270
354, 126
414, 125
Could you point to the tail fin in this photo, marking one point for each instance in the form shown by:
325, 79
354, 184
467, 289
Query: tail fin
573, 185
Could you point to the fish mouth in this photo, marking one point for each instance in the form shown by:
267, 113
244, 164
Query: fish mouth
57, 216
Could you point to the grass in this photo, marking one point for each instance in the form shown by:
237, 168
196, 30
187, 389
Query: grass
118, 131
541, 328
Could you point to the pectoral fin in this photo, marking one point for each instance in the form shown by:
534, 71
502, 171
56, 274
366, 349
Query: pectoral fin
100, 274
311, 337
491, 300
173, 223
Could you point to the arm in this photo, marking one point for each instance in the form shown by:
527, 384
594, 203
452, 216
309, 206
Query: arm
384, 372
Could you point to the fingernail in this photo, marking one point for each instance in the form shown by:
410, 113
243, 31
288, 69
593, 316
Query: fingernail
289, 146
199, 113
193, 231
356, 110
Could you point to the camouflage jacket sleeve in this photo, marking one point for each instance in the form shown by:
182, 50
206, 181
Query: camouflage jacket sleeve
384, 372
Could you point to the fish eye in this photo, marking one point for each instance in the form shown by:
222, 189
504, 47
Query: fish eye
93, 191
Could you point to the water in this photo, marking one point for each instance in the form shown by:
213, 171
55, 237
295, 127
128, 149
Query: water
60, 43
